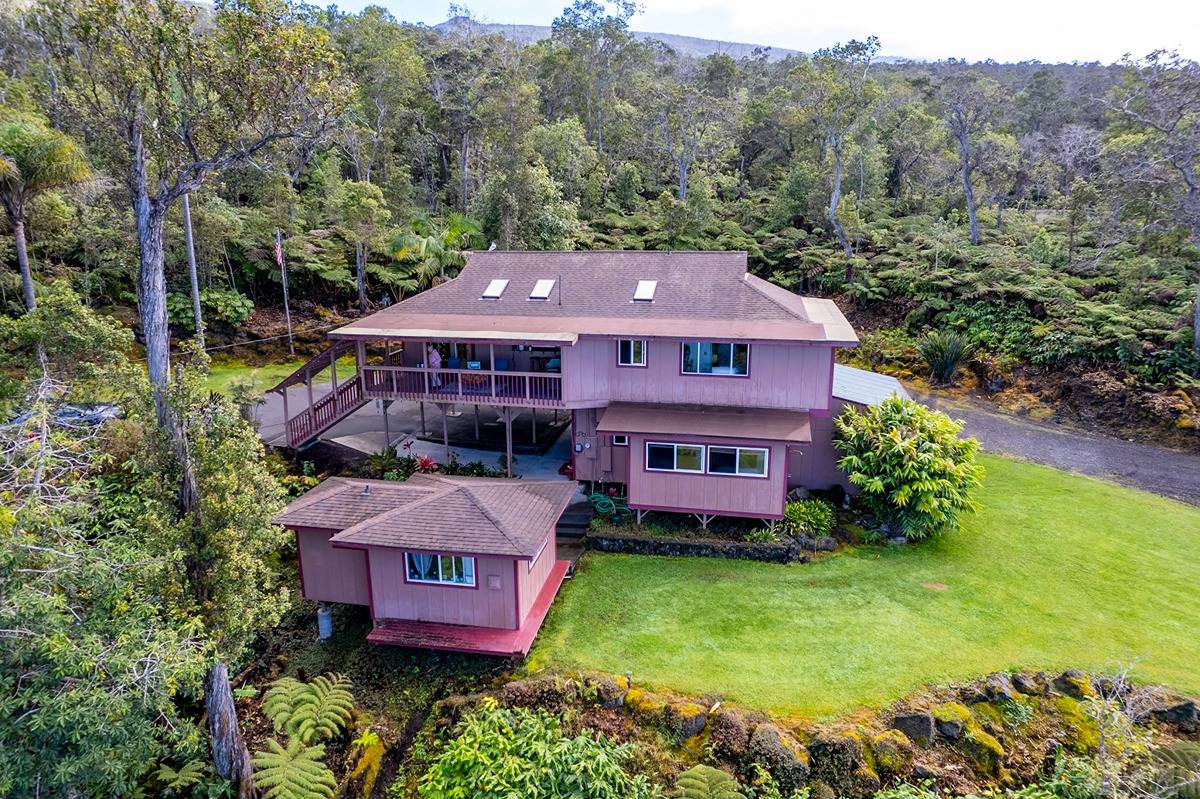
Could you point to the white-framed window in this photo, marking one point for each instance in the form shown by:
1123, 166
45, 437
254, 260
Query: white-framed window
664, 457
631, 352
740, 461
440, 569
715, 358
620, 441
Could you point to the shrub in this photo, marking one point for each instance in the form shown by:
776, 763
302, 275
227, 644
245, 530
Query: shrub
503, 752
307, 711
943, 353
915, 472
812, 517
706, 782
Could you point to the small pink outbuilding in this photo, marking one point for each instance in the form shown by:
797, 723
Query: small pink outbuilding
465, 564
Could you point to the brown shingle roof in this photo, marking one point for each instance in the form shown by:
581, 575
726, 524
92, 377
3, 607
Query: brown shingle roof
697, 292
477, 515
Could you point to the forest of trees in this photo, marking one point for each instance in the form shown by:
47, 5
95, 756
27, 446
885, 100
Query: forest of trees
196, 163
1051, 212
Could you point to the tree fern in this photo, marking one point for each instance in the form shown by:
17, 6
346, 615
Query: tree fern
1180, 765
706, 782
310, 711
296, 771
174, 783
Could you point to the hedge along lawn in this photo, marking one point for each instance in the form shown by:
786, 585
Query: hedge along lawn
1054, 571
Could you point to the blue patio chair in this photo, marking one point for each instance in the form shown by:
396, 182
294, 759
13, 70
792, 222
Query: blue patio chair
554, 365
452, 363
502, 364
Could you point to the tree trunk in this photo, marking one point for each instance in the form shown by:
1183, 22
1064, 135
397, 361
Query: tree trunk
230, 756
152, 300
192, 278
684, 167
360, 274
835, 199
999, 213
287, 307
465, 168
18, 226
964, 156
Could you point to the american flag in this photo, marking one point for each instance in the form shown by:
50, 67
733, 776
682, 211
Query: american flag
278, 250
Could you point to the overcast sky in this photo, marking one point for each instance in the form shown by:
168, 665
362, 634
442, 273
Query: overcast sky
1016, 30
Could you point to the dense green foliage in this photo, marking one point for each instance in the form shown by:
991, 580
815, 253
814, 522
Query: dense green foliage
706, 782
915, 473
496, 753
294, 771
1038, 211
1049, 573
812, 517
312, 711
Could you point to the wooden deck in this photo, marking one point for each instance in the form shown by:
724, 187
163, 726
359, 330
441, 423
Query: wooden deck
484, 386
473, 640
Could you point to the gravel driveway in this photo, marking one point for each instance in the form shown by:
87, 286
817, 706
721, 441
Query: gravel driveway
1169, 472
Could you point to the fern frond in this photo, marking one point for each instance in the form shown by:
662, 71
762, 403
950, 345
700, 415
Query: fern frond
323, 709
706, 782
296, 771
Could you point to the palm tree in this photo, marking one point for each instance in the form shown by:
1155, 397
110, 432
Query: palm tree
434, 251
34, 159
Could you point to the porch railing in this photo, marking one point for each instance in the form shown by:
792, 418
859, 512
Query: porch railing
325, 412
540, 389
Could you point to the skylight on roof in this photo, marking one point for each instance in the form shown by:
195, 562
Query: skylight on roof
541, 290
495, 289
645, 291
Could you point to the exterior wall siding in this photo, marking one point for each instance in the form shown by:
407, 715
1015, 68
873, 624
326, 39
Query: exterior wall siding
757, 497
792, 376
329, 573
492, 603
815, 465
600, 461
532, 576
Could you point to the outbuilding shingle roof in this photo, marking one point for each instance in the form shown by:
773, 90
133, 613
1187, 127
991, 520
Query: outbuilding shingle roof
593, 294
475, 515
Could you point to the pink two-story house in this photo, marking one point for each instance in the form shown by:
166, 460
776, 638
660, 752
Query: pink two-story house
694, 385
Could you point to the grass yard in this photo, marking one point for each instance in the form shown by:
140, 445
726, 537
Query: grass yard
225, 373
1054, 571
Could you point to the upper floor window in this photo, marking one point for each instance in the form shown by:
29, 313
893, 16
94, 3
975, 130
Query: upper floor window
440, 569
662, 457
716, 358
620, 441
631, 352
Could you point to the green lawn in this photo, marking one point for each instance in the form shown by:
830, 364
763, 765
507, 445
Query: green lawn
1054, 571
224, 374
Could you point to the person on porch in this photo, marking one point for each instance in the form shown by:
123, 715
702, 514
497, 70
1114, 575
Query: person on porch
435, 363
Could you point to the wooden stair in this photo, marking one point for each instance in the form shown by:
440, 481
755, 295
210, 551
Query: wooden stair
574, 522
322, 414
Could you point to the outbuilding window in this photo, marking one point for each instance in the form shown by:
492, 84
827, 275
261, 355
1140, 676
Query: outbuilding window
741, 461
440, 569
662, 457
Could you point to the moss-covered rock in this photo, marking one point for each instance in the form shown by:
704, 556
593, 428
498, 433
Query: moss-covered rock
983, 749
951, 718
892, 752
840, 760
1075, 684
645, 706
1031, 683
1083, 731
730, 734
917, 726
819, 789
610, 691
781, 755
549, 693
684, 719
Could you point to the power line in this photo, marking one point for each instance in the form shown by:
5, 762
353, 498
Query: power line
268, 338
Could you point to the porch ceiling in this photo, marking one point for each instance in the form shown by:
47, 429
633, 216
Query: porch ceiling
760, 424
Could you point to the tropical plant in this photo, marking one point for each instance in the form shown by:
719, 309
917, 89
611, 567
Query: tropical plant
1179, 764
539, 760
915, 472
706, 782
34, 159
370, 760
812, 517
432, 251
295, 771
175, 783
943, 352
316, 710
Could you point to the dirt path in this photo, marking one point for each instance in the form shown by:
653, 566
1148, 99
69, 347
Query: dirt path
1168, 472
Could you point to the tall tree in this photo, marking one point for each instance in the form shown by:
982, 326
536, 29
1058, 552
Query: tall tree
599, 43
434, 250
970, 101
1159, 103
364, 214
169, 101
193, 278
836, 95
692, 121
34, 159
